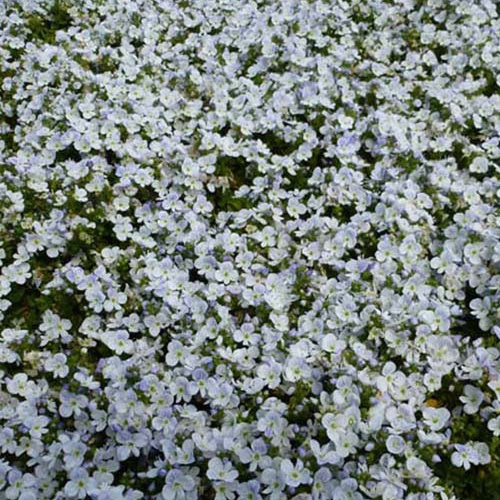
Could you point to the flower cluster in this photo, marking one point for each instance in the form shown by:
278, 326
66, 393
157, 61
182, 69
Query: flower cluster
249, 249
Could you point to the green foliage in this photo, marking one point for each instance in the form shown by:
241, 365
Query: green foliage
44, 28
478, 483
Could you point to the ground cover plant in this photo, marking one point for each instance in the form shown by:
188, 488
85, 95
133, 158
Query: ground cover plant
249, 249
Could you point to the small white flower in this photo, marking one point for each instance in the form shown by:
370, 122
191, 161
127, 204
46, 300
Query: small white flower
295, 474
494, 426
221, 471
395, 444
436, 418
472, 399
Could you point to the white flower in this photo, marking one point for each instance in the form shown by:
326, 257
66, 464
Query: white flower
331, 343
472, 399
345, 443
417, 467
494, 426
221, 471
57, 365
247, 242
464, 456
294, 474
178, 486
479, 165
395, 444
436, 418
176, 353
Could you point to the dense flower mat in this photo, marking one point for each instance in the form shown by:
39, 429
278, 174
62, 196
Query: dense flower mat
249, 249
